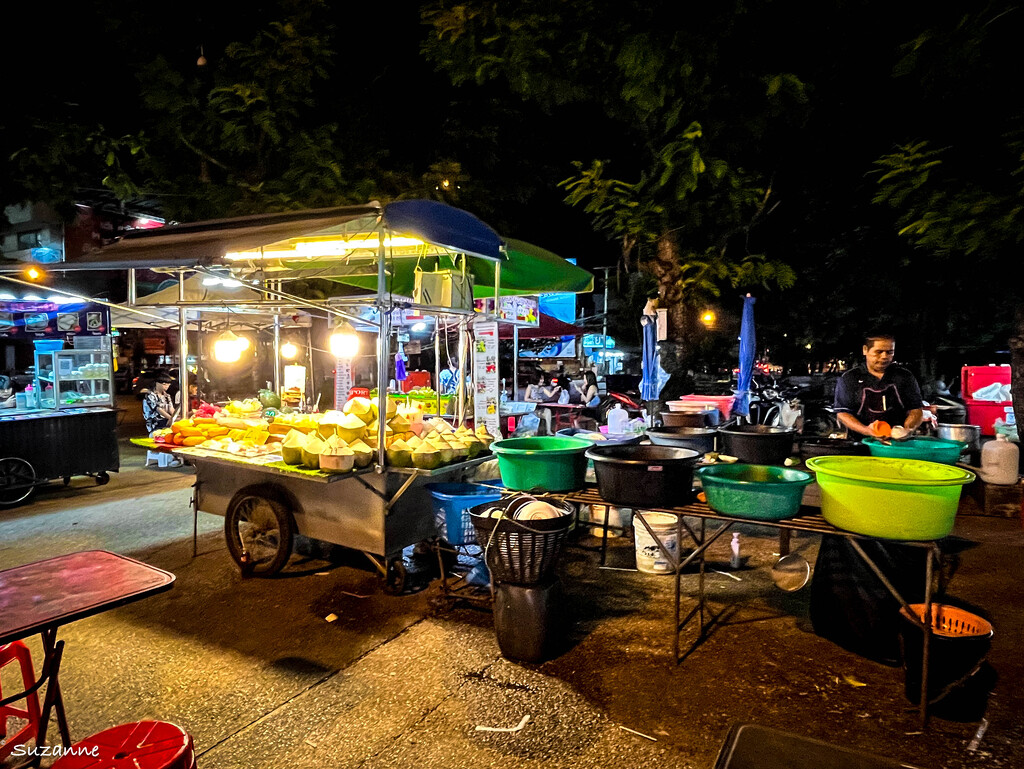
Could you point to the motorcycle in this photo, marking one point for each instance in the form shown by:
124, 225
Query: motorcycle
794, 403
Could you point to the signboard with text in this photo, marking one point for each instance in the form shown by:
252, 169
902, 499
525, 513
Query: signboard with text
48, 320
485, 377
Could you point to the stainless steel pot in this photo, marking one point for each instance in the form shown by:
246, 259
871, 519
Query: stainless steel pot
969, 434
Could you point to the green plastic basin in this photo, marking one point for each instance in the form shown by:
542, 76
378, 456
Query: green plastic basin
889, 498
924, 448
542, 463
758, 492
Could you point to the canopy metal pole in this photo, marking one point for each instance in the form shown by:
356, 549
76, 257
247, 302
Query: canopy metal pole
463, 348
515, 361
277, 354
383, 346
437, 361
132, 289
183, 360
309, 358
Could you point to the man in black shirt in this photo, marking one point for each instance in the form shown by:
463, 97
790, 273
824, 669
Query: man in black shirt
879, 391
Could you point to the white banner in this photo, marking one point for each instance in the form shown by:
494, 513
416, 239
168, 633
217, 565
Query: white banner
342, 381
485, 377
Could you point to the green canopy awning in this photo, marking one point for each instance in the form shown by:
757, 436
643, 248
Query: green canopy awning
529, 270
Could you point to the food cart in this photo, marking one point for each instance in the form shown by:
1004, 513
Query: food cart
63, 423
418, 256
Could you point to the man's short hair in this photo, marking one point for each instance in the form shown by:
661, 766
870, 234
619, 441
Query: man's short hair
877, 336
164, 379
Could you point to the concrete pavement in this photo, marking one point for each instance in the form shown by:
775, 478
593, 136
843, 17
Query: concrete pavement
252, 669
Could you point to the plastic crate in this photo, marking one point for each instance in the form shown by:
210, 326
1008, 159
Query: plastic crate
452, 503
721, 402
985, 413
973, 378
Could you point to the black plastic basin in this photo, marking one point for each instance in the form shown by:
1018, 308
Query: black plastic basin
700, 439
644, 476
757, 444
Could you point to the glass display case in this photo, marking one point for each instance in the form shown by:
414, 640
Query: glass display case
74, 378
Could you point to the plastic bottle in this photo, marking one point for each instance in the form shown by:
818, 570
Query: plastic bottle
617, 419
735, 561
999, 461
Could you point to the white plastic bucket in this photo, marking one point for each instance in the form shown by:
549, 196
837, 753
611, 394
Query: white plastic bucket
613, 516
649, 557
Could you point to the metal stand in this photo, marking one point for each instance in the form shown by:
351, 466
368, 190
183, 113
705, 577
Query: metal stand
810, 521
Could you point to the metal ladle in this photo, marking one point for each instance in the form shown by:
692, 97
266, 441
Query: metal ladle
791, 572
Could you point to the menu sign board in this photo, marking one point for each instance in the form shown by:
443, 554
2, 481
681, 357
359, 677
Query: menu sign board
485, 377
46, 320
521, 310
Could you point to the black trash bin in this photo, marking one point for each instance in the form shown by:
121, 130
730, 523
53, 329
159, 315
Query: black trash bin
959, 644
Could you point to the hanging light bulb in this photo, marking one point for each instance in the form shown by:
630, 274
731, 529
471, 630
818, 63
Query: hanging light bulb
226, 348
243, 344
289, 351
201, 61
343, 342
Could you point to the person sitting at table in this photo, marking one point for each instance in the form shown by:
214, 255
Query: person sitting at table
591, 397
542, 391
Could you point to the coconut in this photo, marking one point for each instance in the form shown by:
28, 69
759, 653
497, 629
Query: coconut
399, 424
392, 408
414, 441
426, 457
311, 451
399, 454
351, 428
461, 450
475, 445
328, 424
363, 454
361, 407
485, 437
291, 447
447, 452
374, 428
335, 442
337, 460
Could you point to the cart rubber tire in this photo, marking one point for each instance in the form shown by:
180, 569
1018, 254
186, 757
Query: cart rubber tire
17, 481
394, 580
102, 479
260, 531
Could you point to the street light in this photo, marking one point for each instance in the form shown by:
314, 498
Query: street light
343, 342
708, 318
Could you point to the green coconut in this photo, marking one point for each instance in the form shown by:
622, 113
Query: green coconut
351, 428
291, 447
447, 452
337, 460
461, 450
360, 407
328, 424
426, 457
311, 451
399, 454
363, 453
335, 442
474, 444
392, 409
400, 424
414, 442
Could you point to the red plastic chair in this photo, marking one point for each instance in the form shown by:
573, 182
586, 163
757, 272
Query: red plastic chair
138, 745
16, 651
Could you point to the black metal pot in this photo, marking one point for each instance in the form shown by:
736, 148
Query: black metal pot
816, 446
644, 476
757, 444
700, 439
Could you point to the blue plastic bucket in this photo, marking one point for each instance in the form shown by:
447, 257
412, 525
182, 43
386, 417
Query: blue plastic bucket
49, 345
452, 502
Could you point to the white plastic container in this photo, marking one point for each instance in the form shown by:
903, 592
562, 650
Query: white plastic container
999, 462
617, 420
649, 557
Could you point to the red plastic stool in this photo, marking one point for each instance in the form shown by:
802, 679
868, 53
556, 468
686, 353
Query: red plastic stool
138, 745
16, 651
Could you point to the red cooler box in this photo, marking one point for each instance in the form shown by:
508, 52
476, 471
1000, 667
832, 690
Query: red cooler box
984, 413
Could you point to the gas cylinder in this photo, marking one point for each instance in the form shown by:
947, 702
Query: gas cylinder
999, 460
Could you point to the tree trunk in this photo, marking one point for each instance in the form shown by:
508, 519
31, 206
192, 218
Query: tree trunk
1017, 363
677, 351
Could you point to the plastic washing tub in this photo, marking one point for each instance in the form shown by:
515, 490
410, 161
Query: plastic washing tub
757, 492
452, 503
542, 463
889, 498
924, 448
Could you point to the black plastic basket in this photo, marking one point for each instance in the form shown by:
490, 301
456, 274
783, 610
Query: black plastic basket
519, 552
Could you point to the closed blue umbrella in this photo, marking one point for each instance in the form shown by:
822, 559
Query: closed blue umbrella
653, 376
748, 350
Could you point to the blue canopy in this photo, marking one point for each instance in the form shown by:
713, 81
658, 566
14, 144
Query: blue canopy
748, 351
444, 226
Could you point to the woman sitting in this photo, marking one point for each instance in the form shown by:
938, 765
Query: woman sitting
542, 392
591, 398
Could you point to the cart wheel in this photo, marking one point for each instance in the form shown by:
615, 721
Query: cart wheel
262, 529
102, 479
17, 481
394, 580
67, 480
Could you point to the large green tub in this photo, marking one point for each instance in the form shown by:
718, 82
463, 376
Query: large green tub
924, 448
758, 492
543, 463
889, 498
